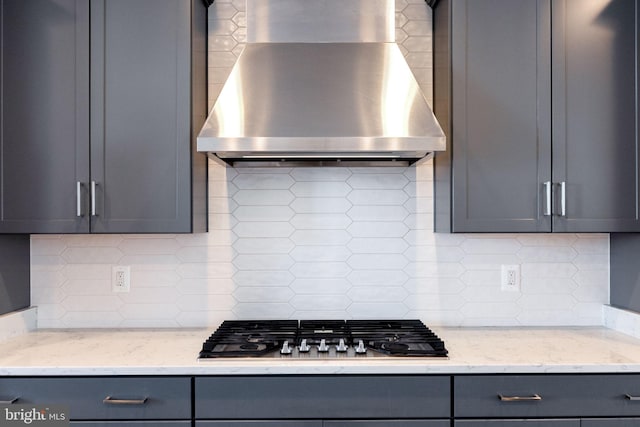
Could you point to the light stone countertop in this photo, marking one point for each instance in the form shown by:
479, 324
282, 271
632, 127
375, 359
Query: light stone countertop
174, 352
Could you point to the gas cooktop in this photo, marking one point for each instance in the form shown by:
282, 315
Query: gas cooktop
319, 339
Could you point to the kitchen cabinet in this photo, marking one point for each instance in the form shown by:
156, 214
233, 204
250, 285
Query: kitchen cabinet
331, 400
538, 99
131, 424
108, 399
102, 100
629, 422
388, 423
518, 423
545, 400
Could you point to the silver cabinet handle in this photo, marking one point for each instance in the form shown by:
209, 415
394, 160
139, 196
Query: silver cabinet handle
109, 400
535, 397
547, 199
79, 199
629, 397
9, 402
563, 198
93, 198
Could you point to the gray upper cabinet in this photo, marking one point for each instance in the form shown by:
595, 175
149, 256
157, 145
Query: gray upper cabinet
539, 102
44, 115
595, 114
101, 132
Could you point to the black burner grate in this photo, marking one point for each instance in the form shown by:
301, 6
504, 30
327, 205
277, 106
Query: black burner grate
264, 338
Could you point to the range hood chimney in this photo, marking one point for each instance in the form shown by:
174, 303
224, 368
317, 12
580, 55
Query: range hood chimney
321, 81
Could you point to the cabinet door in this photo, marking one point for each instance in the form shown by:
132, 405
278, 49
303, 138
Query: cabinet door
387, 423
131, 424
44, 118
517, 423
595, 114
141, 115
500, 115
256, 423
323, 396
594, 422
112, 398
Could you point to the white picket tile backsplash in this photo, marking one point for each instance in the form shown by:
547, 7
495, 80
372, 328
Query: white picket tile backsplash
319, 243
319, 256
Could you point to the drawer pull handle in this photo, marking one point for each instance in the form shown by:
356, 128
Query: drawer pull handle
14, 400
533, 398
111, 401
629, 397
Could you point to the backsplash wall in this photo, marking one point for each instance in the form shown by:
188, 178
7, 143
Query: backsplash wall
319, 243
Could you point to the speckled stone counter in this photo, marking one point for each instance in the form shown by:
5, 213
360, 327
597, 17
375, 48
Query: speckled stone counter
174, 352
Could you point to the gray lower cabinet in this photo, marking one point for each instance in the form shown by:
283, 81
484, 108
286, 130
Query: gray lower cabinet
595, 422
254, 423
518, 423
323, 401
546, 400
90, 398
334, 423
131, 423
101, 103
388, 423
539, 102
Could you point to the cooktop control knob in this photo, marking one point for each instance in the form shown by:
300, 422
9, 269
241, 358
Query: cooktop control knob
323, 347
341, 348
361, 349
304, 347
285, 348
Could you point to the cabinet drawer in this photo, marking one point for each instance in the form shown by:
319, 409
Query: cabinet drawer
273, 423
323, 396
131, 424
625, 422
387, 423
518, 423
560, 396
166, 398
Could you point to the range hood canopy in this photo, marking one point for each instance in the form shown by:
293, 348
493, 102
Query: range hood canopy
321, 80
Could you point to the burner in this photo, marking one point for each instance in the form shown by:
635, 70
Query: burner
322, 339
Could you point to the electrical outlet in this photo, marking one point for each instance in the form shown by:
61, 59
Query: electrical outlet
121, 279
510, 278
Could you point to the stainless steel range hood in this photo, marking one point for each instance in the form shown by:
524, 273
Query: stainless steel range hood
320, 81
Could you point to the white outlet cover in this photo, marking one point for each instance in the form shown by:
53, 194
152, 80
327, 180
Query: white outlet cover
121, 279
510, 278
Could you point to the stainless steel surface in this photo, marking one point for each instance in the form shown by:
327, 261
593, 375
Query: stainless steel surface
285, 348
278, 21
93, 198
547, 198
314, 100
630, 397
304, 347
9, 402
532, 398
78, 199
299, 94
563, 198
114, 401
